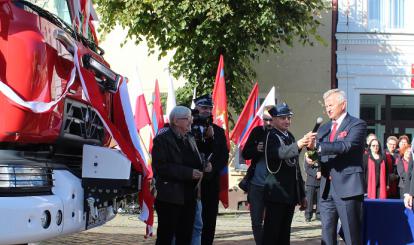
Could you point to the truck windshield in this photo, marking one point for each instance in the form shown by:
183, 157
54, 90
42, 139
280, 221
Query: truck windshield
59, 8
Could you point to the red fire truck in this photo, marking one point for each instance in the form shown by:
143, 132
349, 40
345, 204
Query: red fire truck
57, 173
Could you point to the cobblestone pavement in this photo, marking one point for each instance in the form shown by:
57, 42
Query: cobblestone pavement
232, 228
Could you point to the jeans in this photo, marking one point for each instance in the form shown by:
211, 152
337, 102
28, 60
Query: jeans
256, 201
198, 225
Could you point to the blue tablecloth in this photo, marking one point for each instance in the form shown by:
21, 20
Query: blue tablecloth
387, 222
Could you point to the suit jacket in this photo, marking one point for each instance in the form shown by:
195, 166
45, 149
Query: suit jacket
285, 186
173, 178
258, 134
311, 171
342, 158
405, 176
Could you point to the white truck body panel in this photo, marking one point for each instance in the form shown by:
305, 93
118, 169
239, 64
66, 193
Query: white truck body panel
103, 163
20, 216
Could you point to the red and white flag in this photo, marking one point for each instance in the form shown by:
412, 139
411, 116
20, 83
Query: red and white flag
137, 98
258, 119
238, 134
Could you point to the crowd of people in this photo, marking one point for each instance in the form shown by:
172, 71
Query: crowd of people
335, 178
187, 158
189, 154
386, 169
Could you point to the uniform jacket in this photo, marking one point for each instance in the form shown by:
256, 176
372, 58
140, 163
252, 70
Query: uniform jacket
285, 186
220, 156
342, 158
173, 178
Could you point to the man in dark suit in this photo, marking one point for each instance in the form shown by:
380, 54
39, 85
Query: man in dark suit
313, 179
176, 164
340, 144
211, 142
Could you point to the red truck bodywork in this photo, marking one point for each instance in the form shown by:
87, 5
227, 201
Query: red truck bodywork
37, 67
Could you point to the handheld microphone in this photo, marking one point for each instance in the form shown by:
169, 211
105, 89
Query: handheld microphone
318, 123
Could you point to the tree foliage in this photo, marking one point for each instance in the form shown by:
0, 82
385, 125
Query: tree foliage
200, 30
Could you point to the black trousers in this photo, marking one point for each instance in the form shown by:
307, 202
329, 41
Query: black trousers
175, 220
277, 223
312, 193
210, 202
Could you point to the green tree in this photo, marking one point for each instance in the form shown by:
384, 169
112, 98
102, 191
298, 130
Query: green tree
200, 30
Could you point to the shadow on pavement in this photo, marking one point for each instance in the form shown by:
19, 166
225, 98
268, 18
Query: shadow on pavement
101, 239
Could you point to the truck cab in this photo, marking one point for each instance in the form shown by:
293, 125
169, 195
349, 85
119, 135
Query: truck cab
58, 173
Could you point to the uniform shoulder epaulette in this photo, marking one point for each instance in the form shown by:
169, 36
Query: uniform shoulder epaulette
163, 130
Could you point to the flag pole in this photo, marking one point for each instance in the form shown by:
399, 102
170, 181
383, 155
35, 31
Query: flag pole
145, 147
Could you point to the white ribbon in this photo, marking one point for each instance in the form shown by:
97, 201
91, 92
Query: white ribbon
36, 106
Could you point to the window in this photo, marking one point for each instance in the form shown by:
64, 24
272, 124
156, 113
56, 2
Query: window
59, 8
388, 114
389, 15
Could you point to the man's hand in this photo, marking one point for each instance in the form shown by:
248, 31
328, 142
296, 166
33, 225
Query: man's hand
318, 175
408, 201
208, 168
302, 142
312, 140
303, 203
260, 147
307, 140
197, 174
210, 132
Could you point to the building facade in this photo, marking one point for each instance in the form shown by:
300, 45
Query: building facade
301, 74
375, 57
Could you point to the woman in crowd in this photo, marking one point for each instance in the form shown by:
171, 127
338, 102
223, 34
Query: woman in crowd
369, 138
176, 165
403, 164
390, 154
402, 141
376, 176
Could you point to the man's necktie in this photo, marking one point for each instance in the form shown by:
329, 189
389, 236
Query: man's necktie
333, 131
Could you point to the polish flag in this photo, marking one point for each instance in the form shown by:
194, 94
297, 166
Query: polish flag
137, 98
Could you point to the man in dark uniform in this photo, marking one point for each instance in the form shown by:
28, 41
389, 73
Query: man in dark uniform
211, 142
313, 179
284, 187
254, 150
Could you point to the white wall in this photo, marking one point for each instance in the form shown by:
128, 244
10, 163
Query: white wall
132, 61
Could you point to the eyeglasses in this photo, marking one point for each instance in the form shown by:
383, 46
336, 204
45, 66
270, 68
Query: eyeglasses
185, 118
267, 119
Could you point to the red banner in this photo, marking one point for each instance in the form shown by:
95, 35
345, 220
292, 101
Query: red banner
412, 75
